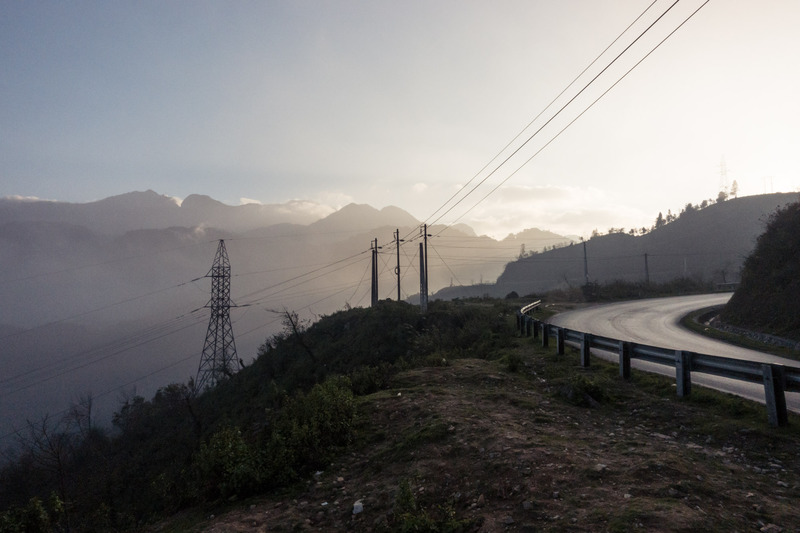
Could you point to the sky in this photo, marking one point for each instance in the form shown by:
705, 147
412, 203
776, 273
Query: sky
404, 103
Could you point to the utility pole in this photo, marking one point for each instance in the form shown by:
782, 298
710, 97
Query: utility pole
219, 360
397, 241
375, 247
646, 271
423, 269
585, 264
423, 306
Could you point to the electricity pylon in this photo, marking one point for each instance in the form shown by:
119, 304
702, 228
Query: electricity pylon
219, 359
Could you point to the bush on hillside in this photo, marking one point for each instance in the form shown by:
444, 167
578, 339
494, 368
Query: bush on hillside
767, 297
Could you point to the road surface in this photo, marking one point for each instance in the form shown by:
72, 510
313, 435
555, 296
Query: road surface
657, 322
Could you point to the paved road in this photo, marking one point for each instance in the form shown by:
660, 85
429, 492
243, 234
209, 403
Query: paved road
657, 322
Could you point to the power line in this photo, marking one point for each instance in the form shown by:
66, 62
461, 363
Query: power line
545, 109
320, 275
275, 285
106, 356
103, 308
102, 263
118, 388
570, 123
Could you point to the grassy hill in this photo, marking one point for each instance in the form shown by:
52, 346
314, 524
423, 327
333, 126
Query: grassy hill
446, 421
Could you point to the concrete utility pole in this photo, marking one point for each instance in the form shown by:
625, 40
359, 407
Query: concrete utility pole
646, 271
423, 305
375, 248
423, 269
585, 264
397, 241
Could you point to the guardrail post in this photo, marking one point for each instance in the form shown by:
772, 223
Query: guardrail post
536, 326
624, 360
774, 387
586, 344
520, 319
560, 334
683, 372
545, 340
528, 325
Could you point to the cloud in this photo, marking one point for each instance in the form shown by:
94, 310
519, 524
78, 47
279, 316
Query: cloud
245, 201
313, 209
564, 210
419, 187
336, 200
17, 198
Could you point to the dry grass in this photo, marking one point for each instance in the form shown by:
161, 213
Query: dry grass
477, 447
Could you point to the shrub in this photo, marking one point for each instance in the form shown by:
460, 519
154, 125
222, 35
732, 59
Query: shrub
311, 426
227, 465
33, 518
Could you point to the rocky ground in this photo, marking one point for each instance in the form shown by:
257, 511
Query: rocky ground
473, 446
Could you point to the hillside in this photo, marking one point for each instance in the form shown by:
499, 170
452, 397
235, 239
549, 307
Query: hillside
445, 422
767, 299
471, 446
707, 245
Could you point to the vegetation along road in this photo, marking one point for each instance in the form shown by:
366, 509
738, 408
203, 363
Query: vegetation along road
657, 322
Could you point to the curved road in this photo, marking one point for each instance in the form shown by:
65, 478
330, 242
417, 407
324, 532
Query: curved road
657, 322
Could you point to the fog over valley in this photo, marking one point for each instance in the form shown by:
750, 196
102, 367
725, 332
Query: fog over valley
109, 296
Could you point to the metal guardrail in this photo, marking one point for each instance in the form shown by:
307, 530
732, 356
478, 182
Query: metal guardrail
530, 307
777, 379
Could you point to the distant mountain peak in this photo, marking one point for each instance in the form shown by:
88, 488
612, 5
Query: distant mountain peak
360, 217
201, 201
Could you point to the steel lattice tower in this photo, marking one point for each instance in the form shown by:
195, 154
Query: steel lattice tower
219, 359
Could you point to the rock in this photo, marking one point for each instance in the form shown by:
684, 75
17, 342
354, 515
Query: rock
358, 507
771, 528
481, 501
600, 467
527, 505
508, 520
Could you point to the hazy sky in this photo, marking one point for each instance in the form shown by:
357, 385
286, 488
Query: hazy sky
400, 103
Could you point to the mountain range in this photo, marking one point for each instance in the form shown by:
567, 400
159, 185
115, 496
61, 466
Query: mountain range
107, 298
150, 210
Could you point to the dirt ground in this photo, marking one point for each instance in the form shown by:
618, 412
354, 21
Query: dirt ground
478, 448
